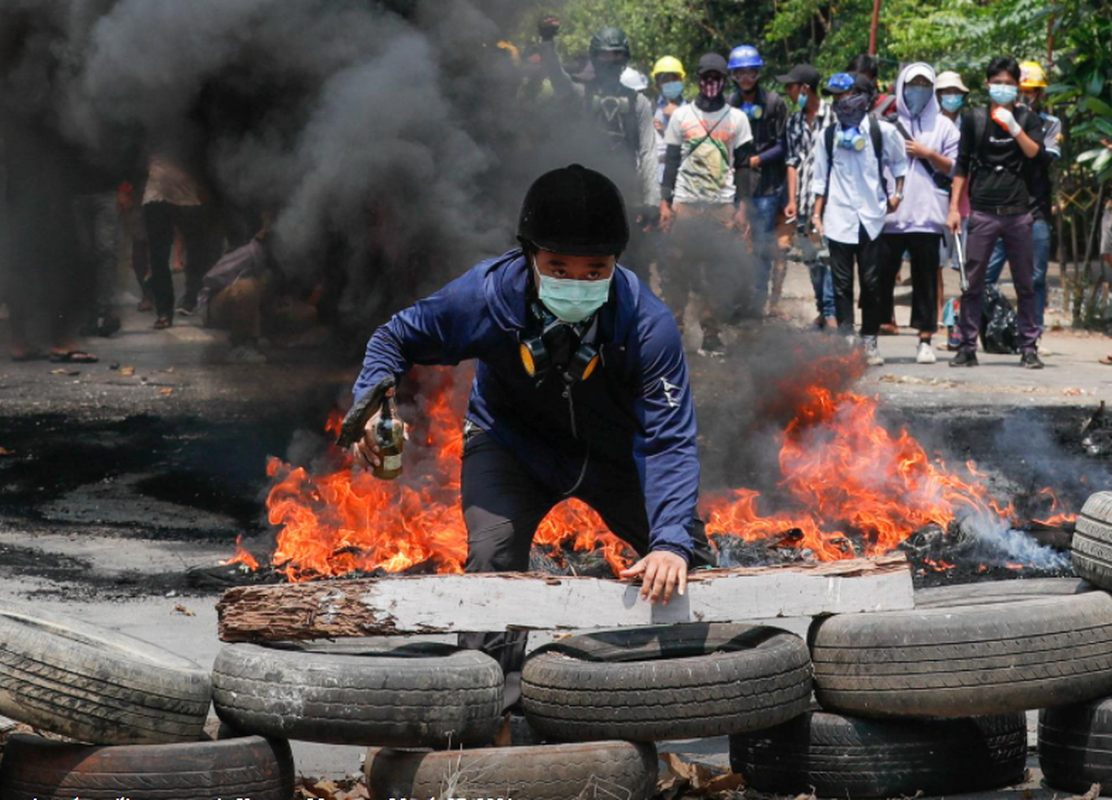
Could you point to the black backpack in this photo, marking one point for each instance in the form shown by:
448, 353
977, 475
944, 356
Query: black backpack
878, 149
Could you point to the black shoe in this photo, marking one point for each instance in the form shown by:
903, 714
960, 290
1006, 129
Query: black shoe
1030, 360
964, 358
187, 306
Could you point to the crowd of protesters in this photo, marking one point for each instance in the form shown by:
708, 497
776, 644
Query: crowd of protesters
731, 169
852, 180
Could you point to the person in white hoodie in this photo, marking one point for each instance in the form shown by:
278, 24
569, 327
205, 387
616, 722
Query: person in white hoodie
916, 227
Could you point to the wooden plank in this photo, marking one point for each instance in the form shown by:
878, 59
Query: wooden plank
524, 601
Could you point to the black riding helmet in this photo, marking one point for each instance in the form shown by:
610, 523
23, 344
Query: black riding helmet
575, 211
613, 40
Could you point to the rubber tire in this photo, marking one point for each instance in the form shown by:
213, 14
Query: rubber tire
360, 692
544, 772
835, 756
1075, 745
96, 685
985, 656
999, 592
1092, 541
666, 682
251, 766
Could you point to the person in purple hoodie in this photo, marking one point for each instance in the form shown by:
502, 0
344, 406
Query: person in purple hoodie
916, 227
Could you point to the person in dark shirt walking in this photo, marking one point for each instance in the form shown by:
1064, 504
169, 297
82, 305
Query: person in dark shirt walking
997, 146
763, 172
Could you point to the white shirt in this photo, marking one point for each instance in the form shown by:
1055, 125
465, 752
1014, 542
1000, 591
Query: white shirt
707, 143
855, 197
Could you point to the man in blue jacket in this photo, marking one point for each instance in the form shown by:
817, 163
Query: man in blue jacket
581, 390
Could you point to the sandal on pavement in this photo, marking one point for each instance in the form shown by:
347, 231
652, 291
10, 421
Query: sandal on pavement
73, 357
1106, 360
162, 323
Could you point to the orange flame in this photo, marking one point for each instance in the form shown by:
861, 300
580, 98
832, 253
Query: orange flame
842, 471
241, 557
349, 520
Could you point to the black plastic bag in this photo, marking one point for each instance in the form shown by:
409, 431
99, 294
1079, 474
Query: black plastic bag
999, 328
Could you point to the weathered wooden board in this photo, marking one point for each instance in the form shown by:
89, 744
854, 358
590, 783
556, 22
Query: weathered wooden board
526, 601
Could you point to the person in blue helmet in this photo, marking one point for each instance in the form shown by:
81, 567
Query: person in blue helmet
581, 390
765, 170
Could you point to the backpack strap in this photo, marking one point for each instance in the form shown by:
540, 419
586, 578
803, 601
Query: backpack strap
828, 138
878, 149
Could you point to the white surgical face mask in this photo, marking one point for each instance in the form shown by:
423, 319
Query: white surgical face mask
569, 299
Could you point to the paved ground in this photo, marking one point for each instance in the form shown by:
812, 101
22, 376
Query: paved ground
85, 497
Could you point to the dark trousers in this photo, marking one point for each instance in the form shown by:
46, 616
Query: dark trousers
502, 507
1015, 231
925, 252
866, 253
201, 250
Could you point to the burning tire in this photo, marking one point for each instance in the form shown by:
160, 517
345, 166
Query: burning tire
666, 682
546, 772
368, 693
986, 654
835, 756
1092, 541
1075, 745
96, 685
243, 767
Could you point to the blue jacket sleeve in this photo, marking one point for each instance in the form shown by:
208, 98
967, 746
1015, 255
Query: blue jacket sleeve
665, 447
443, 329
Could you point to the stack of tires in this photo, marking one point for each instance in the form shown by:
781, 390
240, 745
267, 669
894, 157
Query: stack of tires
932, 700
603, 699
1075, 741
140, 710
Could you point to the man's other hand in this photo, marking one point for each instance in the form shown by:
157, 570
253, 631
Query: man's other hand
662, 573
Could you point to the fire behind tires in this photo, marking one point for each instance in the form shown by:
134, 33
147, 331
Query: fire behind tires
250, 766
364, 692
836, 756
95, 685
1092, 541
666, 682
977, 652
546, 772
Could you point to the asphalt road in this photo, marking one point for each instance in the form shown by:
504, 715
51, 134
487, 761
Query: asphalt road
91, 525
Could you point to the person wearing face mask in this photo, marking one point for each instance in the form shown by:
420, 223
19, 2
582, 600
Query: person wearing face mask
622, 115
765, 169
1032, 90
997, 147
804, 126
581, 390
707, 143
668, 75
852, 200
931, 143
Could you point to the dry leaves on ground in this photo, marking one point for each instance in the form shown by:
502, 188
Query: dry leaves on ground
1092, 794
165, 391
185, 611
684, 779
63, 371
331, 790
127, 372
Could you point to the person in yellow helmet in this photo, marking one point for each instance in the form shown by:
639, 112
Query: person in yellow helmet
1032, 92
668, 74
